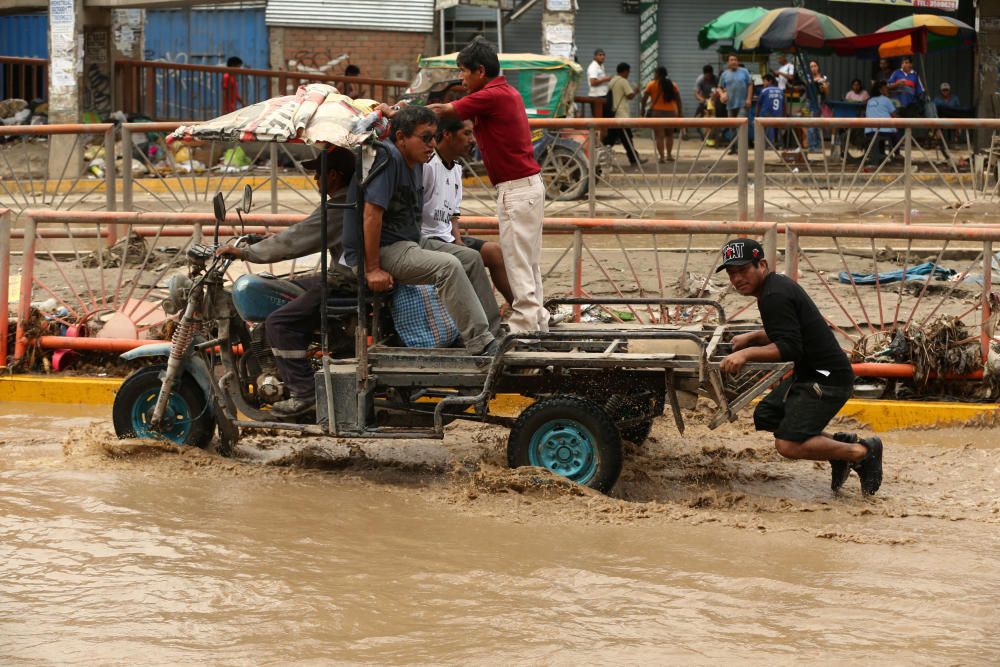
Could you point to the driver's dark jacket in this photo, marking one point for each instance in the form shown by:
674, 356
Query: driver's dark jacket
303, 237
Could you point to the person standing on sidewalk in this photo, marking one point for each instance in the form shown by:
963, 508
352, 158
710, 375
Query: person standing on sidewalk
597, 79
799, 409
664, 100
736, 88
501, 128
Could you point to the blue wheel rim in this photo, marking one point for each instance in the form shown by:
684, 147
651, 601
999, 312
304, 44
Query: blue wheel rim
565, 447
176, 424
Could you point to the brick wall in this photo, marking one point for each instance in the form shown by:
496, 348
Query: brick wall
380, 54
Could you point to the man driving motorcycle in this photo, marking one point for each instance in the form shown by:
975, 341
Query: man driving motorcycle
289, 328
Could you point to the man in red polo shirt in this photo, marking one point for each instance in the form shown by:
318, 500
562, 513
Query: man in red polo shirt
504, 138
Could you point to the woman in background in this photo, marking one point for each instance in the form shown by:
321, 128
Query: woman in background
665, 102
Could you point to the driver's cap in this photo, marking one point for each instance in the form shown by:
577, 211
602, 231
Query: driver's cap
739, 252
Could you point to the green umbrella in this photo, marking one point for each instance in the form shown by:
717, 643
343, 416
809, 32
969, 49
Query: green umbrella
728, 25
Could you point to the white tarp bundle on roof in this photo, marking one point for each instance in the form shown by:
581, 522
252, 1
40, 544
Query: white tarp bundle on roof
316, 113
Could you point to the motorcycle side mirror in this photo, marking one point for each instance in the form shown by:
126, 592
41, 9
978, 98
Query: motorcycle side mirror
247, 198
219, 204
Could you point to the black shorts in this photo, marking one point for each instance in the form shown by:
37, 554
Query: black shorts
797, 411
469, 241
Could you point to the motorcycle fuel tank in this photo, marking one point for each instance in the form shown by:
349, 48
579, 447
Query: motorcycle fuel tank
256, 297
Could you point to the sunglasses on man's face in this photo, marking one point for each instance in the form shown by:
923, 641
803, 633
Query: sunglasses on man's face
427, 137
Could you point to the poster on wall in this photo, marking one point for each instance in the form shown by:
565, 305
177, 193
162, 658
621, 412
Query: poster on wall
62, 22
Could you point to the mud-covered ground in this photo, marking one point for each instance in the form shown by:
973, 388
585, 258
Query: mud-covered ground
710, 549
731, 476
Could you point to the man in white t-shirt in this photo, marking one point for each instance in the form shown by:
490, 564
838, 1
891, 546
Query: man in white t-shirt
443, 199
785, 72
597, 79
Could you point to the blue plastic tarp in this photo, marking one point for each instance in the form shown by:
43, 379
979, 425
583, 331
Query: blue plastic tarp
919, 272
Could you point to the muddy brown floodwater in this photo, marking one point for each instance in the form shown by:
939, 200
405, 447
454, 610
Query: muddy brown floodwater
710, 550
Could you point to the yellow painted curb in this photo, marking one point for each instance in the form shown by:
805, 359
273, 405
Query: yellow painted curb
46, 389
889, 415
877, 415
192, 185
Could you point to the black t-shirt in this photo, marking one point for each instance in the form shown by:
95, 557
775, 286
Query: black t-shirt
793, 323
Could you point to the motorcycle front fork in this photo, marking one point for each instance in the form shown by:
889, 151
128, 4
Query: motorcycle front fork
179, 344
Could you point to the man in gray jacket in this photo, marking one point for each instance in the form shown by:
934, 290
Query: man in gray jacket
290, 327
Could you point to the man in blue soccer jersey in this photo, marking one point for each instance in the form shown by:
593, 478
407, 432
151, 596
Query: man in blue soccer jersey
771, 103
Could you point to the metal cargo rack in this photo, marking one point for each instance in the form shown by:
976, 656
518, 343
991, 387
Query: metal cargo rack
661, 362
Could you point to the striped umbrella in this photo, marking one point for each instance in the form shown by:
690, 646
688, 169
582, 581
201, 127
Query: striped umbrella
943, 32
790, 28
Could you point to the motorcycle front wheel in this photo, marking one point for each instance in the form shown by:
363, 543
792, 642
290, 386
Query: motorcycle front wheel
186, 421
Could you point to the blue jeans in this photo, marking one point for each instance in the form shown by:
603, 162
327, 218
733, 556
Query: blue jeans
813, 139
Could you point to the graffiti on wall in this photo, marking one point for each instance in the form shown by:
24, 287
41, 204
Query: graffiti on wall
316, 62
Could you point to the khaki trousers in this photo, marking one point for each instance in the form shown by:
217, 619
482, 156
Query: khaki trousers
520, 208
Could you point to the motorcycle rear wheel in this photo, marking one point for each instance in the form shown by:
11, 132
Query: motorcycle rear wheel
187, 420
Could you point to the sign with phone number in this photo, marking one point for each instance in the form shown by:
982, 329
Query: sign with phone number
944, 5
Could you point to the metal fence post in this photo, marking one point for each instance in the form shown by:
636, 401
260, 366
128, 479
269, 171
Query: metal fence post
742, 178
985, 335
577, 271
908, 177
592, 170
4, 280
758, 171
110, 175
771, 246
791, 253
126, 168
110, 194
274, 176
27, 278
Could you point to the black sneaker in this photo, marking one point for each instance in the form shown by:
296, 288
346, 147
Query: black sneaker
870, 468
294, 406
841, 470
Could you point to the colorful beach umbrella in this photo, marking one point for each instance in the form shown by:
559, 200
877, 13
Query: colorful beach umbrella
790, 28
727, 26
943, 32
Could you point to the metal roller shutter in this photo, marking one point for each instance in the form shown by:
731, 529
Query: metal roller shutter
396, 15
601, 24
525, 34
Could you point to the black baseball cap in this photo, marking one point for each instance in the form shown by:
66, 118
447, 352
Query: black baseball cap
739, 252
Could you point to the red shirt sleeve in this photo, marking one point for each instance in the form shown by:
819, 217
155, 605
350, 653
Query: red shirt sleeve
479, 103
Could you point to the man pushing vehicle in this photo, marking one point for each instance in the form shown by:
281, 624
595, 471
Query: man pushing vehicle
799, 409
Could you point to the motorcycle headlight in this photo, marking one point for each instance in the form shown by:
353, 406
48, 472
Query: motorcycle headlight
178, 288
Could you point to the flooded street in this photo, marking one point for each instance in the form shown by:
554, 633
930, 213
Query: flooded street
711, 549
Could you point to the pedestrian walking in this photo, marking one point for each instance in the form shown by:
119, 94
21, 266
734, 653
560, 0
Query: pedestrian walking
500, 124
621, 90
664, 101
231, 99
799, 409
